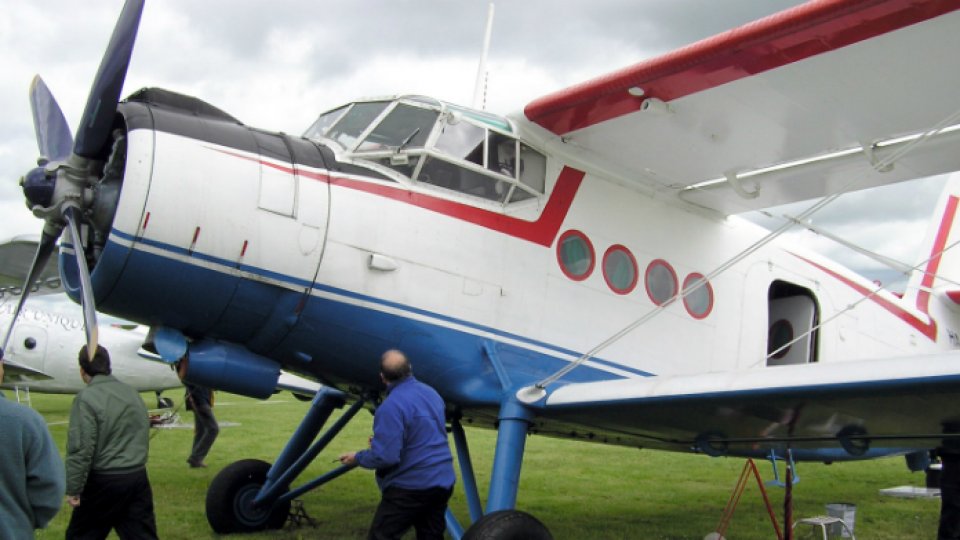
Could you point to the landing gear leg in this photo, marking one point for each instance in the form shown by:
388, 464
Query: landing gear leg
251, 495
164, 402
502, 521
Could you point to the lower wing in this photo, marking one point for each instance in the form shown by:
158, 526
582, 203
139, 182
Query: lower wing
855, 407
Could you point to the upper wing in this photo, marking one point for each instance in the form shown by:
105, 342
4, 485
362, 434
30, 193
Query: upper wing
855, 406
830, 88
16, 256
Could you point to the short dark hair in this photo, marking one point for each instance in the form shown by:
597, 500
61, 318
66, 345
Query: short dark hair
395, 371
100, 365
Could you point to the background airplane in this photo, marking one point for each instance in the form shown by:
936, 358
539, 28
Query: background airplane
42, 356
490, 295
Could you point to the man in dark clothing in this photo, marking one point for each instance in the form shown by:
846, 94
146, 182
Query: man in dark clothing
107, 444
205, 428
410, 454
31, 473
949, 528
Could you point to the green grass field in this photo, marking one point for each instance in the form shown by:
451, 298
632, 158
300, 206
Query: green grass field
578, 490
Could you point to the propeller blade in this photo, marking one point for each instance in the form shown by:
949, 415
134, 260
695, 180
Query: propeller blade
47, 243
53, 132
97, 119
86, 288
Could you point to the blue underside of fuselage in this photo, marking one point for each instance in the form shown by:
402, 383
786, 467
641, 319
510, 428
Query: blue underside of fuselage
334, 334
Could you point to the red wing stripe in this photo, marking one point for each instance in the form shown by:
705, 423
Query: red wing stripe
543, 231
778, 40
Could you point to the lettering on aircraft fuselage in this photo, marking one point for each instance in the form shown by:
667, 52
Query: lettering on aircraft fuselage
42, 317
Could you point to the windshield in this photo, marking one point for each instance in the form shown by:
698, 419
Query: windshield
348, 129
404, 126
319, 128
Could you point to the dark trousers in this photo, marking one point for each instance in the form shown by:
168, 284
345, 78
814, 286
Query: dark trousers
400, 509
949, 497
205, 431
122, 501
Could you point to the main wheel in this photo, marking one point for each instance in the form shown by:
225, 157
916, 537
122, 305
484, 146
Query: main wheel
230, 498
508, 525
164, 403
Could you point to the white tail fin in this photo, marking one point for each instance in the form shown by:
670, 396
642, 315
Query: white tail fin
939, 269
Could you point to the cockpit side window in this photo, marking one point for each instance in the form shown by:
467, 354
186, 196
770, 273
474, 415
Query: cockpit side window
462, 140
502, 154
441, 173
404, 126
351, 125
533, 168
327, 119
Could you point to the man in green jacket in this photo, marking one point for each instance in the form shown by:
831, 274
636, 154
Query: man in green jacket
31, 473
107, 442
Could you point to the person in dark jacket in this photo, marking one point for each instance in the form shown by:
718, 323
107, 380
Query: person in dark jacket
410, 453
199, 399
107, 446
31, 473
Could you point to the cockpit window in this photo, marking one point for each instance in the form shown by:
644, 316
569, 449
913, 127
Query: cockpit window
351, 125
533, 168
462, 140
437, 144
319, 128
502, 154
442, 173
404, 126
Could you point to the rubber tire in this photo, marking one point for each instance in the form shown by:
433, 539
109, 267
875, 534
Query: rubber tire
238, 482
164, 403
508, 525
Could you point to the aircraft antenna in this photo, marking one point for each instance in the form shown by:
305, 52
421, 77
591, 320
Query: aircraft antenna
480, 86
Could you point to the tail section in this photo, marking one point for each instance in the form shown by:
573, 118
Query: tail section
937, 274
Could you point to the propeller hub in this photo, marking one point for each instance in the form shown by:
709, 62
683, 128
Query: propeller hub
38, 187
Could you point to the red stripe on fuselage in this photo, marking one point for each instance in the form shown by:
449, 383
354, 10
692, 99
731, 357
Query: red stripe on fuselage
775, 41
543, 231
928, 329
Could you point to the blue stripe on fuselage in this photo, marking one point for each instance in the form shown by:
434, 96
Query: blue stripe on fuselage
366, 325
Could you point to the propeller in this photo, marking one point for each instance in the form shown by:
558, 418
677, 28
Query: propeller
53, 133
98, 114
59, 190
86, 289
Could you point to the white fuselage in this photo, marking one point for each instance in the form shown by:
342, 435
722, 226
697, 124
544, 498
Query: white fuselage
471, 267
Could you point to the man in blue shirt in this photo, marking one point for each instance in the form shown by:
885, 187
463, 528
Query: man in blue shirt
410, 454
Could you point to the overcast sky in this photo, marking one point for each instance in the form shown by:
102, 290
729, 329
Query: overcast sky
276, 65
